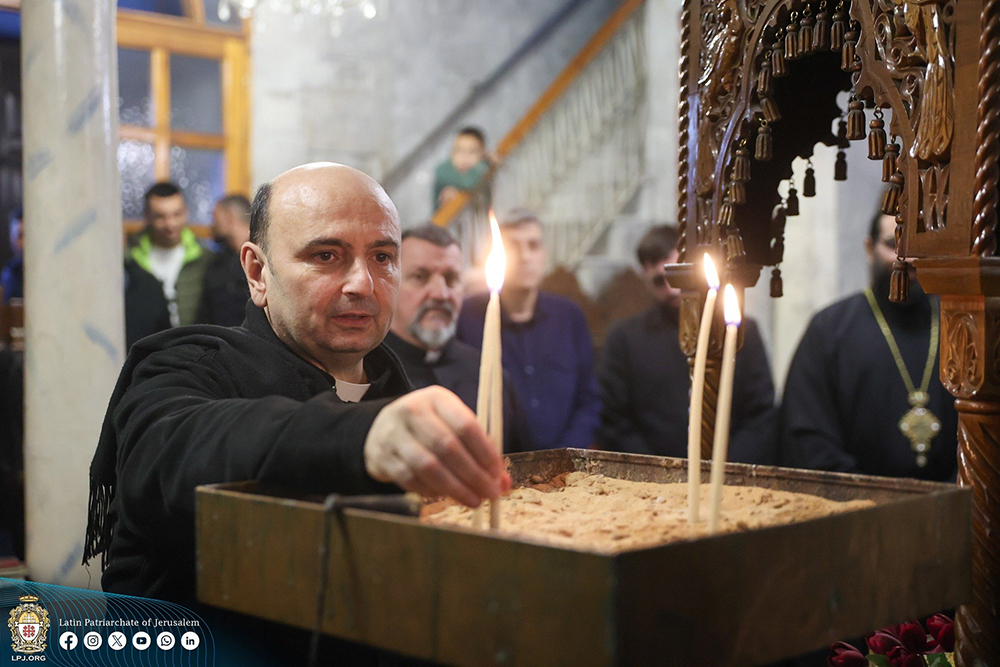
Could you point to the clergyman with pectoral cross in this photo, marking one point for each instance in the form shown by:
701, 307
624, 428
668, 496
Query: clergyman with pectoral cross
863, 392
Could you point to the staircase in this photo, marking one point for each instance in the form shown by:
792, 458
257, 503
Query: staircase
577, 156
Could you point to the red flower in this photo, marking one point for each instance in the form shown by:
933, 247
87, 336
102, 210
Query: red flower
942, 629
900, 657
913, 637
946, 638
882, 642
843, 654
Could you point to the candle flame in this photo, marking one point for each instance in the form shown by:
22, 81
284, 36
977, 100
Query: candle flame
711, 275
496, 261
732, 307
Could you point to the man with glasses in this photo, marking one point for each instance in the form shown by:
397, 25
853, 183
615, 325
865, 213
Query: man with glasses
645, 381
863, 392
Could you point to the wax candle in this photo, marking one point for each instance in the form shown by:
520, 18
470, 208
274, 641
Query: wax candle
489, 401
698, 390
720, 446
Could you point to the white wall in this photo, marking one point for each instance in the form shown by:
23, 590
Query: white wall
659, 197
370, 95
824, 252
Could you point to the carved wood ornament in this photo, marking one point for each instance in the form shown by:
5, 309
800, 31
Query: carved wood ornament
919, 81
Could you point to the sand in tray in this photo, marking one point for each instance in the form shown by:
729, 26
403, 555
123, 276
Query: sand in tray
595, 512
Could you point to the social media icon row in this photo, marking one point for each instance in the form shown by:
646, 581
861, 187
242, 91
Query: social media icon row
140, 640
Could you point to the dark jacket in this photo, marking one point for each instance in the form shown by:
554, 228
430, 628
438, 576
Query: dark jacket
202, 405
225, 290
146, 310
457, 369
551, 362
645, 384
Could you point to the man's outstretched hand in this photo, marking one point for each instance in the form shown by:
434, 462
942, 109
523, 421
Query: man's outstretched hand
429, 442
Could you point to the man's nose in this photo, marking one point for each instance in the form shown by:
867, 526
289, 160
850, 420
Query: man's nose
439, 289
359, 280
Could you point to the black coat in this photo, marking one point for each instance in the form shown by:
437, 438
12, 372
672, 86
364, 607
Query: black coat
202, 405
146, 310
457, 369
225, 291
844, 395
645, 385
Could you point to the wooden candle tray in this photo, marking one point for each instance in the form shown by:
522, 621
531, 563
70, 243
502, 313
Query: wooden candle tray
462, 597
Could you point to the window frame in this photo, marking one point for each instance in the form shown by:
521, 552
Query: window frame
162, 36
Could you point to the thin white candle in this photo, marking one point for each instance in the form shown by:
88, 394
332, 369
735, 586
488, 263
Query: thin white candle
720, 446
489, 401
698, 390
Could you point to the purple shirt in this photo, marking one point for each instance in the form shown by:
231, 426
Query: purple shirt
550, 360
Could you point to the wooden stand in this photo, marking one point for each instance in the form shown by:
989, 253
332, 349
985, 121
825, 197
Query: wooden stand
466, 597
752, 84
970, 370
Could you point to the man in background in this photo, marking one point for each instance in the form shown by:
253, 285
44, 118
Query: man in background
168, 249
464, 168
863, 366
146, 309
423, 328
12, 275
645, 380
547, 348
225, 291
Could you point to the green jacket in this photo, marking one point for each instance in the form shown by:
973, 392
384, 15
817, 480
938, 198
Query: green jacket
191, 277
446, 175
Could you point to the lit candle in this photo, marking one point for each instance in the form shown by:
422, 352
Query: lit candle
698, 390
720, 446
489, 402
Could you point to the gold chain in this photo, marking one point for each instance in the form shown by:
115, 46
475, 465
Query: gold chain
897, 357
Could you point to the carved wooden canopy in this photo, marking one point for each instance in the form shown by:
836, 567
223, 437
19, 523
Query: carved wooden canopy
759, 86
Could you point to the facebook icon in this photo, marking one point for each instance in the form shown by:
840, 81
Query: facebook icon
68, 640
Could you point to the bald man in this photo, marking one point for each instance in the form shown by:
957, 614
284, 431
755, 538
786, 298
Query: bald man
302, 394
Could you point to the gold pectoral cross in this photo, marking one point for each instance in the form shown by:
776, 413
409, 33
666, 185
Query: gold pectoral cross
920, 426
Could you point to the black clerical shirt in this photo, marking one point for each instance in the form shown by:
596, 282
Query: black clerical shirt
204, 404
456, 367
645, 388
844, 396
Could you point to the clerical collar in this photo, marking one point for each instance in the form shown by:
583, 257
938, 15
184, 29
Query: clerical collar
351, 392
414, 354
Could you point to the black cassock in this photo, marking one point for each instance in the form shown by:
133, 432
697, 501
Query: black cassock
645, 388
845, 396
456, 368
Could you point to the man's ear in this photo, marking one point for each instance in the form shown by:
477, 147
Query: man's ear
254, 266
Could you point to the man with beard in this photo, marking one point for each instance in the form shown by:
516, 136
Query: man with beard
645, 381
423, 329
302, 395
863, 392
